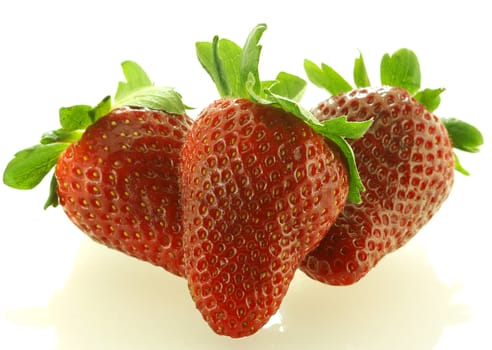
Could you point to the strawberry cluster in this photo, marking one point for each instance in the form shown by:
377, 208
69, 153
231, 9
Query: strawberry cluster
256, 187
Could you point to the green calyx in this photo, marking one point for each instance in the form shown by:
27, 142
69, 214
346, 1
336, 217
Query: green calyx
401, 69
29, 166
235, 73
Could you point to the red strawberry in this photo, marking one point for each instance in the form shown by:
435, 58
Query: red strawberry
119, 180
405, 161
119, 184
259, 189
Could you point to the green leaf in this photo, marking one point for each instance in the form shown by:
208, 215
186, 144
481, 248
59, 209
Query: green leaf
221, 59
342, 127
207, 54
356, 186
75, 117
464, 136
291, 106
230, 57
250, 59
430, 98
233, 69
61, 135
30, 166
287, 85
401, 69
138, 91
361, 78
231, 66
326, 77
154, 97
74, 120
314, 74
250, 85
135, 78
267, 84
101, 109
53, 195
337, 130
79, 117
458, 166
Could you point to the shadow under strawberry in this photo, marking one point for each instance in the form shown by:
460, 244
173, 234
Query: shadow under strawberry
112, 302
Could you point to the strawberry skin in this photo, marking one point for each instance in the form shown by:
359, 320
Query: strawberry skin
259, 190
406, 163
120, 184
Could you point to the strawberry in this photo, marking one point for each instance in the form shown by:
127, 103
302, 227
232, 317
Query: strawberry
405, 160
117, 180
260, 186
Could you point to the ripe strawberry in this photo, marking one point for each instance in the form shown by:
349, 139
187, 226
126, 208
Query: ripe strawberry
118, 180
405, 161
259, 189
119, 184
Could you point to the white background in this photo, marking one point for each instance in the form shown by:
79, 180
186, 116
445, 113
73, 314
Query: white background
59, 290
